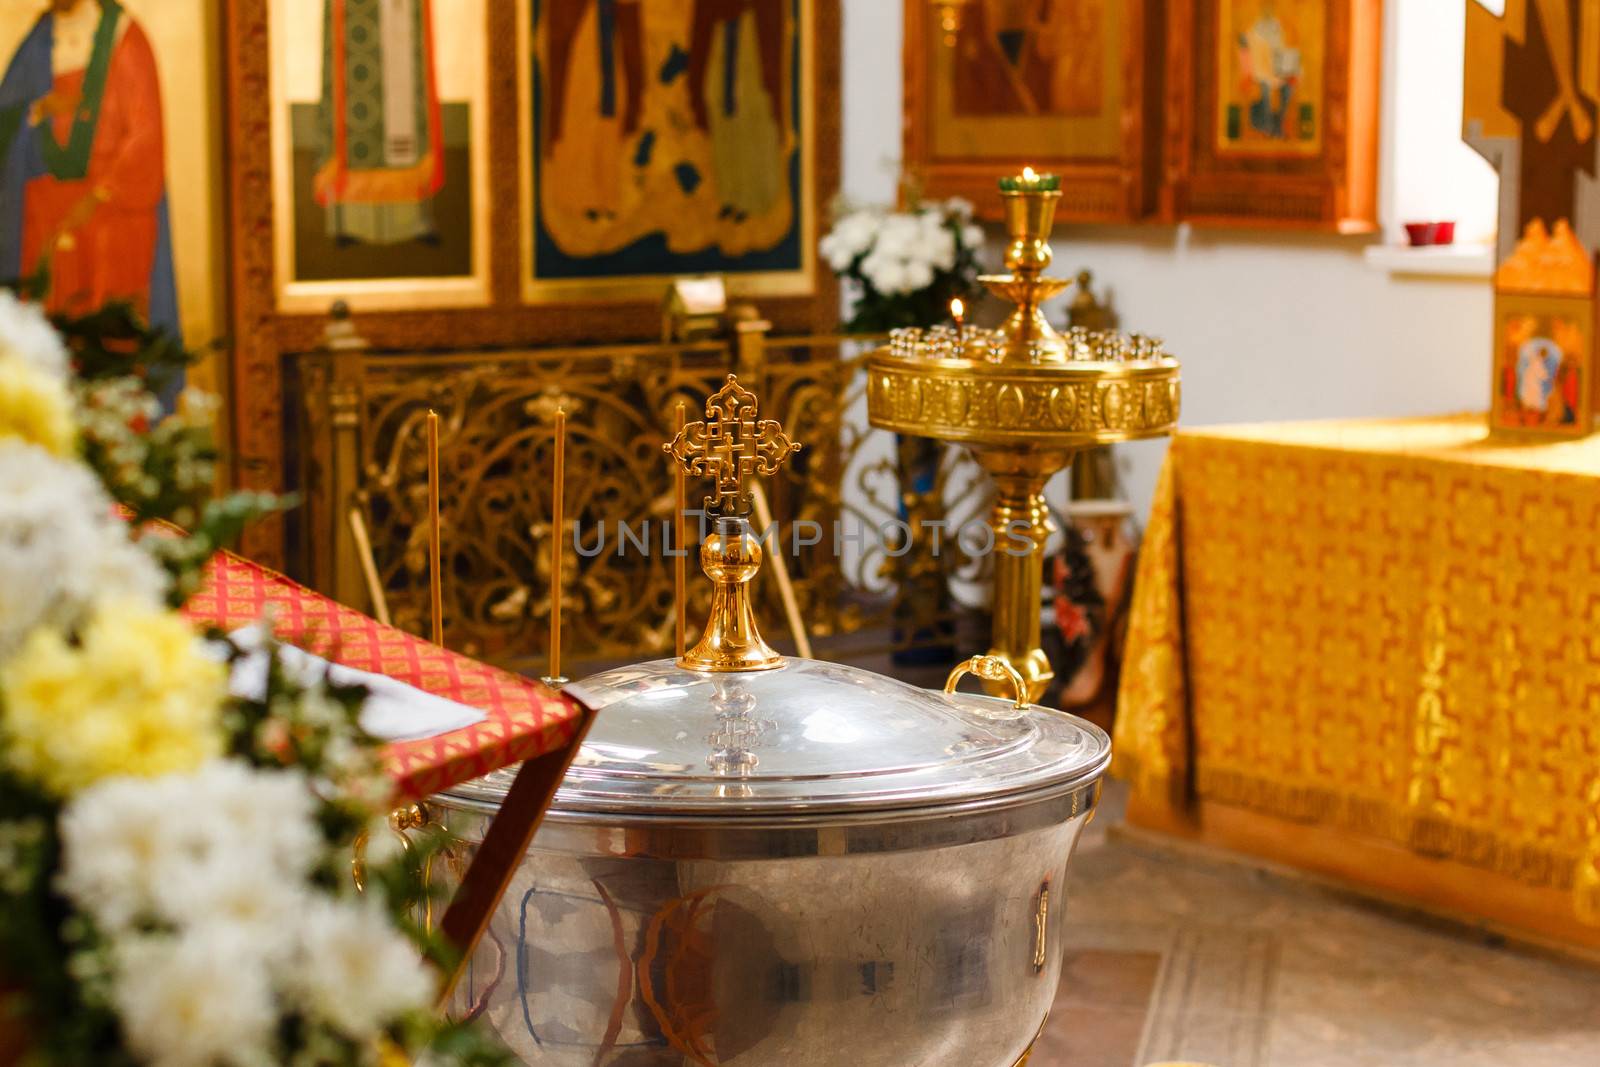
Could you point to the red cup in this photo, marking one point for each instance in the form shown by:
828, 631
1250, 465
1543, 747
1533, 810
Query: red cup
1421, 233
1444, 233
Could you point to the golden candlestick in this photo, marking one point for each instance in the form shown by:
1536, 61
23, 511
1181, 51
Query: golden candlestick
558, 531
1030, 212
729, 445
1024, 399
435, 579
680, 539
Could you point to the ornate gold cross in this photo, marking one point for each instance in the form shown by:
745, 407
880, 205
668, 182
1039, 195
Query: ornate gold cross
730, 444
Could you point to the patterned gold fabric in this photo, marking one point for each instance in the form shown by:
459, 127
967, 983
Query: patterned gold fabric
1391, 627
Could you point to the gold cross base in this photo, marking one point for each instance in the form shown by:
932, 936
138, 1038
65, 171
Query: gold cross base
730, 641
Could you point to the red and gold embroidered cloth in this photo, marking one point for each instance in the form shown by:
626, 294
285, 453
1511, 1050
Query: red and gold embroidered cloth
524, 719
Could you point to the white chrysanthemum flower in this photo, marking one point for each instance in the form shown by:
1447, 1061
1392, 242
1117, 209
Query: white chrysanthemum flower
958, 207
27, 333
972, 236
117, 850
918, 274
196, 1000
938, 248
169, 848
850, 236
235, 809
899, 236
886, 272
239, 895
61, 547
838, 258
354, 969
834, 252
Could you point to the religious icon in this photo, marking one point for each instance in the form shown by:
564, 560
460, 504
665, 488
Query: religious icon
1270, 68
1542, 367
380, 144
83, 192
1272, 113
1035, 57
380, 154
1532, 87
682, 150
1058, 84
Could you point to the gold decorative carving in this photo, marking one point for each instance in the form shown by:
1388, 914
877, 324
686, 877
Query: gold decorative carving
999, 403
729, 445
496, 411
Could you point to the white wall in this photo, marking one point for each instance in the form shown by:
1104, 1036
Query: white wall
1268, 326
1431, 173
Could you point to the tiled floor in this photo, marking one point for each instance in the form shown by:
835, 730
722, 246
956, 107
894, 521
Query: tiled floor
1178, 956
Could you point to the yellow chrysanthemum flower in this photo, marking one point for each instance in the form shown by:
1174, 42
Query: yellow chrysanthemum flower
35, 406
136, 697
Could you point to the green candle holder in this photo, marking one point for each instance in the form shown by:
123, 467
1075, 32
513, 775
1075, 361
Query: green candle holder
1030, 181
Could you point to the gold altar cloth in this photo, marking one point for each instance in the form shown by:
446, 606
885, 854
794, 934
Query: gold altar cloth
1389, 629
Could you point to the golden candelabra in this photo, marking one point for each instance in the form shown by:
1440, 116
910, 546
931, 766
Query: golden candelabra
1024, 398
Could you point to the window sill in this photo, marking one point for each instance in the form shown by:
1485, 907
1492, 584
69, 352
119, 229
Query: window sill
1470, 261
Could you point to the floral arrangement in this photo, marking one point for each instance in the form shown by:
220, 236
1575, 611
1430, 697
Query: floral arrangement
904, 266
175, 859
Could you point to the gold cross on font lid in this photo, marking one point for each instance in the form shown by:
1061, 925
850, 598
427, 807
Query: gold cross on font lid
729, 445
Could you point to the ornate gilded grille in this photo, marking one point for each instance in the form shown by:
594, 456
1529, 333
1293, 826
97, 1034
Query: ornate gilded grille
363, 416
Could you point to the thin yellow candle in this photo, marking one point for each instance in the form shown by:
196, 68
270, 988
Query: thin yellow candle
558, 525
435, 580
680, 537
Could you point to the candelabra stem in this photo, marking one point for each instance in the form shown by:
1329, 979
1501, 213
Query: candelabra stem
1021, 522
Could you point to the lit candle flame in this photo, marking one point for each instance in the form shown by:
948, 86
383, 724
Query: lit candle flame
1028, 175
957, 310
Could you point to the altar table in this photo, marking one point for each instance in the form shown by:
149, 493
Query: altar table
1371, 649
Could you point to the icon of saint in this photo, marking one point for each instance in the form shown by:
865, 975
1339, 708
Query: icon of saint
82, 166
382, 159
